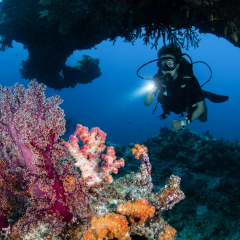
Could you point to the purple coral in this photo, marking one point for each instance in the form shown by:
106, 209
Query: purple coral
34, 157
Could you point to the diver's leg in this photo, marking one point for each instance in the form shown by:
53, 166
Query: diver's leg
203, 117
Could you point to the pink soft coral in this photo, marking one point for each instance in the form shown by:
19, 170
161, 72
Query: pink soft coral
89, 156
34, 155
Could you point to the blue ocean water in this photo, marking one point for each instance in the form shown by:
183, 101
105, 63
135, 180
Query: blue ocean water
114, 102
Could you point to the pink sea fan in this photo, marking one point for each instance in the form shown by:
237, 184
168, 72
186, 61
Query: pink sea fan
33, 153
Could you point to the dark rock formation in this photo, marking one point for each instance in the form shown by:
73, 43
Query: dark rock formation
52, 29
85, 71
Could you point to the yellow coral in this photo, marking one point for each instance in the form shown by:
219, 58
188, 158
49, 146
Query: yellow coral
137, 212
109, 226
168, 233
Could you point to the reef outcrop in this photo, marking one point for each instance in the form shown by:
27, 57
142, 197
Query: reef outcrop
210, 179
51, 30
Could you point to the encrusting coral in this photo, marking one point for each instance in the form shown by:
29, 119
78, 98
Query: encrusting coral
170, 194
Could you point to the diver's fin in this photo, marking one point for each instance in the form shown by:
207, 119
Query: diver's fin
214, 97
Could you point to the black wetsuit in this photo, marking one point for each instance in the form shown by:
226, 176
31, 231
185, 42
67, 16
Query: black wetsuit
173, 94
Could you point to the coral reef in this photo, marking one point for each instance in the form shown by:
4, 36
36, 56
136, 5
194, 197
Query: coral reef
45, 196
210, 176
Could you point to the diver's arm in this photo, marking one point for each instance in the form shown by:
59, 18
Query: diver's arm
177, 124
148, 99
198, 111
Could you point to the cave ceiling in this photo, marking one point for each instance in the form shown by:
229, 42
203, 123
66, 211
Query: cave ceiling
52, 29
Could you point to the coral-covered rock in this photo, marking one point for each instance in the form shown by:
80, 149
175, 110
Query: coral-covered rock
111, 226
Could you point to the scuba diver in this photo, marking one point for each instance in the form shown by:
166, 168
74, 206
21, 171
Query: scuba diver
179, 90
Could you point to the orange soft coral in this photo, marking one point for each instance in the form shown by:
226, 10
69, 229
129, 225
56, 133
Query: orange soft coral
137, 212
138, 150
109, 226
168, 233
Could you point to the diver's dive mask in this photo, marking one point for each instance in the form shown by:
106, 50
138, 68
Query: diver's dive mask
167, 64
